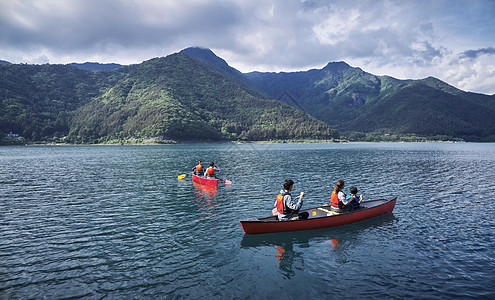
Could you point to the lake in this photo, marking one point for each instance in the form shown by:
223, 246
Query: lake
115, 222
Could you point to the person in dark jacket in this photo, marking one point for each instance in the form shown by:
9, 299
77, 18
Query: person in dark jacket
287, 206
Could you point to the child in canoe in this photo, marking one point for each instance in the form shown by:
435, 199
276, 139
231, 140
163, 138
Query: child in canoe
354, 197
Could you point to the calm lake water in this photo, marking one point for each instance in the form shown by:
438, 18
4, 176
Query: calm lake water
115, 222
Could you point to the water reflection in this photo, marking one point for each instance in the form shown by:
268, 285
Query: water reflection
206, 198
286, 257
286, 245
118, 224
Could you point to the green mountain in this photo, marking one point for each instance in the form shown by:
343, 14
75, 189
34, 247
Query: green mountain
195, 95
37, 101
351, 100
173, 98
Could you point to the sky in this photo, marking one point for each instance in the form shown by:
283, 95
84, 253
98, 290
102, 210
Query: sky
452, 40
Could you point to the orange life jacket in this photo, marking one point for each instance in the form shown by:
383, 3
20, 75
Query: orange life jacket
334, 199
210, 172
199, 169
281, 208
280, 204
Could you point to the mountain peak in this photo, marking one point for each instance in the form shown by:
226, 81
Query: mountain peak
204, 54
337, 66
197, 50
208, 56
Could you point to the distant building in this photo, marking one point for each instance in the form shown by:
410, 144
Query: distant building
12, 136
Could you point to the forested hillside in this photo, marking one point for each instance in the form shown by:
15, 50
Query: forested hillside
195, 95
172, 98
351, 100
180, 98
37, 101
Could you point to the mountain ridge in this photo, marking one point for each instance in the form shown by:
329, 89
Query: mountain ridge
350, 99
218, 102
95, 66
173, 98
179, 99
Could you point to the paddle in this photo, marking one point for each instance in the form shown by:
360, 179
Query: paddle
328, 211
181, 176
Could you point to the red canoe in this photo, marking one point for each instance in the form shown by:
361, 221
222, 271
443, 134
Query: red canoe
204, 180
320, 217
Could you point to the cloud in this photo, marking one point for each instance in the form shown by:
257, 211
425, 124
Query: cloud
379, 31
473, 54
473, 70
404, 39
105, 27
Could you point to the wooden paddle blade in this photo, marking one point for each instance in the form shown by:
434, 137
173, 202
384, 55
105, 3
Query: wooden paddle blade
181, 176
227, 181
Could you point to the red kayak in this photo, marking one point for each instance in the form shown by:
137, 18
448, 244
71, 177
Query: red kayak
204, 180
320, 217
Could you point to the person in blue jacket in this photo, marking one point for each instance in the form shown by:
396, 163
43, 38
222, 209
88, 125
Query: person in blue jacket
354, 197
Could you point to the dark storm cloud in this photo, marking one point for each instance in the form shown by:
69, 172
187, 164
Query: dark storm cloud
405, 39
283, 34
95, 24
472, 54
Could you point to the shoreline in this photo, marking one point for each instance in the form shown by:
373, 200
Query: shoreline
35, 144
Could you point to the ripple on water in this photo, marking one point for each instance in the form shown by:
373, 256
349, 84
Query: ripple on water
116, 222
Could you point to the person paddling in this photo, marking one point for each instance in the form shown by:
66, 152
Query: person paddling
198, 169
288, 207
210, 172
